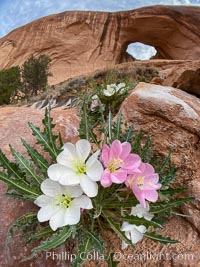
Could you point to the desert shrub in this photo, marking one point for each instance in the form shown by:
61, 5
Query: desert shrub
9, 84
35, 73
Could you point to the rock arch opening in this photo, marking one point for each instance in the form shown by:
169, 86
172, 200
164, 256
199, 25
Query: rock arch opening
140, 51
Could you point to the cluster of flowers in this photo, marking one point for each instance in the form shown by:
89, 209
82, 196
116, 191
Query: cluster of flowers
109, 91
73, 181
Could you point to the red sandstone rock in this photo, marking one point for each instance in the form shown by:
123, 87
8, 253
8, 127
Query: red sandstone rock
80, 42
172, 118
13, 125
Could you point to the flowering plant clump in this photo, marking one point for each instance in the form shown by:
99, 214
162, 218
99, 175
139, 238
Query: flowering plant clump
108, 181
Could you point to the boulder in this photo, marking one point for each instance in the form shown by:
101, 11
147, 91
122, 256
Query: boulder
185, 76
172, 118
13, 125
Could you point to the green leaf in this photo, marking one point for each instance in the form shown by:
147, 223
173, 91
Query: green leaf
83, 250
118, 126
129, 134
43, 140
97, 242
164, 206
110, 123
56, 239
160, 238
20, 185
140, 221
48, 130
25, 166
110, 261
118, 231
24, 224
41, 233
36, 157
12, 168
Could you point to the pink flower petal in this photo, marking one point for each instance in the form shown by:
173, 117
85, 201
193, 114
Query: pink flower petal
154, 178
151, 195
118, 177
140, 198
126, 149
148, 169
105, 179
132, 163
116, 149
105, 155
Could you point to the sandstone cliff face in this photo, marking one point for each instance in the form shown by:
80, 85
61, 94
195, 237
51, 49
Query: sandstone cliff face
80, 42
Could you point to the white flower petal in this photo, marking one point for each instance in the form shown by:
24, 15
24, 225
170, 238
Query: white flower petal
72, 215
43, 200
90, 188
83, 202
51, 188
46, 212
70, 151
73, 191
141, 228
96, 154
140, 211
63, 175
65, 159
94, 169
70, 179
127, 226
136, 236
124, 244
148, 216
57, 220
83, 148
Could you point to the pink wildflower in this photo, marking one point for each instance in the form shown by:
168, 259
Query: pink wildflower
118, 162
144, 184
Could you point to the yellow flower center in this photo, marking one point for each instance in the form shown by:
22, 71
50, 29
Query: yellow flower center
63, 201
114, 165
140, 181
130, 181
80, 167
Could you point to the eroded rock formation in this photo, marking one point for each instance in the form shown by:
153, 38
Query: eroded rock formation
80, 42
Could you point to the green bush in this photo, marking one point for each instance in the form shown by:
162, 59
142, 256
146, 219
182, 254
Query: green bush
9, 84
35, 73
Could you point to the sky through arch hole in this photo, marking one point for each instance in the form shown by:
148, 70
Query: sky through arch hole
141, 51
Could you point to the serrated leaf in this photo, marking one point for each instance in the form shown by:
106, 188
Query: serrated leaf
83, 249
27, 219
36, 157
160, 238
172, 191
97, 242
12, 168
118, 231
140, 221
41, 233
42, 140
55, 240
25, 166
159, 207
48, 130
20, 186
